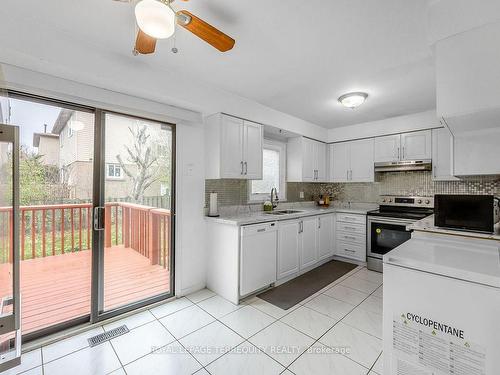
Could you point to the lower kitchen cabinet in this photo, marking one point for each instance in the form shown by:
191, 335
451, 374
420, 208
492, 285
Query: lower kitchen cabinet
304, 242
309, 242
351, 236
289, 243
326, 236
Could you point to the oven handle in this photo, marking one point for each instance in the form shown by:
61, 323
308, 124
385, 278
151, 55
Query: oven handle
390, 221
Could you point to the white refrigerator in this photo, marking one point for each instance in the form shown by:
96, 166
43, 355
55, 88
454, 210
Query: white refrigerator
442, 306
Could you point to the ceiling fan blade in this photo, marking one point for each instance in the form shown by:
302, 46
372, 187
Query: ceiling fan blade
205, 31
144, 43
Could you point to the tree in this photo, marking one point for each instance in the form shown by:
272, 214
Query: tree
140, 156
34, 178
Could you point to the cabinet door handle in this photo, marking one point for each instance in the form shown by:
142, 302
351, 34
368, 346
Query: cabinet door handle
319, 223
403, 152
301, 226
246, 168
347, 178
241, 167
399, 153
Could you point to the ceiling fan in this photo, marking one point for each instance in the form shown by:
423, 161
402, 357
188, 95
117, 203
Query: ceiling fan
156, 20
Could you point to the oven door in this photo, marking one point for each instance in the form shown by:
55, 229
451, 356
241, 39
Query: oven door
385, 234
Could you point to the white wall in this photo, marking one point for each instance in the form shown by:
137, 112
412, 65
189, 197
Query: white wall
190, 183
394, 125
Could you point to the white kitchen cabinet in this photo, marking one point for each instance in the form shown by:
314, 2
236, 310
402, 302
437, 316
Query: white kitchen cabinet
320, 158
309, 242
350, 236
258, 257
339, 162
306, 160
352, 161
477, 152
326, 236
289, 243
361, 155
407, 146
252, 150
416, 145
442, 155
233, 148
387, 148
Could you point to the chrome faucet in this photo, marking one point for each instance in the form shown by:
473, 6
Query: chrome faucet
274, 197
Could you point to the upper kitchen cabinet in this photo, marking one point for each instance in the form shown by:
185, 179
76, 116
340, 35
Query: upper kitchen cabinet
233, 148
352, 161
406, 146
416, 145
442, 155
477, 152
387, 149
306, 160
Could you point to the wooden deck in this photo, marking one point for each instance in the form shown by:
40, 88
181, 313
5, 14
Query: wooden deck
55, 289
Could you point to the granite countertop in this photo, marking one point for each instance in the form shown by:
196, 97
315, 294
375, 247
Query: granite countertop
427, 225
256, 217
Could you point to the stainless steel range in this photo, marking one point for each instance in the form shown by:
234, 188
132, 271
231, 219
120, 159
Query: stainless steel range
386, 227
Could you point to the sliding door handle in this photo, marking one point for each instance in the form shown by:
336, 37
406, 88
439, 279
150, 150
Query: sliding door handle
99, 218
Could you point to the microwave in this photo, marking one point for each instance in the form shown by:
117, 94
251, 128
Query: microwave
478, 213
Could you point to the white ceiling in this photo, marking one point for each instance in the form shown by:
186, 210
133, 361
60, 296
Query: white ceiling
293, 56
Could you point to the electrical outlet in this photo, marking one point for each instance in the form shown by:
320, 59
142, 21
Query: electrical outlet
301, 195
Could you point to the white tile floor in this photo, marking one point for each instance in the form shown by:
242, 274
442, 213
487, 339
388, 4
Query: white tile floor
336, 331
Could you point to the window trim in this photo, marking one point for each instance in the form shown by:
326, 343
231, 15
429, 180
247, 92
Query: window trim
108, 177
279, 146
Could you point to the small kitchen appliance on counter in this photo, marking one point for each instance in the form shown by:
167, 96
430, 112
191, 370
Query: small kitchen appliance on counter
478, 213
386, 227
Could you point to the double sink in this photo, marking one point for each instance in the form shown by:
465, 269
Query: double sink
282, 212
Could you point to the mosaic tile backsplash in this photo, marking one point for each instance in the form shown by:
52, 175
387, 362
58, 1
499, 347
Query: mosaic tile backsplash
417, 183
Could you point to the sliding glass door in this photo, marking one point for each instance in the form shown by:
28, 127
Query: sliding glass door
137, 192
95, 217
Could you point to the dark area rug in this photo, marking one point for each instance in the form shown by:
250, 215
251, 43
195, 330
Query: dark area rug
292, 292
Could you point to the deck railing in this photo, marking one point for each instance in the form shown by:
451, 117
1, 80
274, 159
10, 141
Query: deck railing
49, 230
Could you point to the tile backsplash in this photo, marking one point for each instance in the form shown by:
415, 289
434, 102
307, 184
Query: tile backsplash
418, 183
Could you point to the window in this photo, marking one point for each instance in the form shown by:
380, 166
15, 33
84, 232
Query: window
274, 165
114, 171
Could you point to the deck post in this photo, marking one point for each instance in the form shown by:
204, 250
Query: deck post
154, 238
107, 226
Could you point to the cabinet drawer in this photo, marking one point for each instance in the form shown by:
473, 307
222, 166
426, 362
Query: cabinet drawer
359, 238
350, 218
350, 250
351, 228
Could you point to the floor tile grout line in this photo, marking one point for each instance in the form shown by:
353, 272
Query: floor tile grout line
356, 306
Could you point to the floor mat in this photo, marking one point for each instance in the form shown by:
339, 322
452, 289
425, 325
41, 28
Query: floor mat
294, 291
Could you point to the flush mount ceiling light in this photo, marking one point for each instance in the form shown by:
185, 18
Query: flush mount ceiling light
155, 18
353, 99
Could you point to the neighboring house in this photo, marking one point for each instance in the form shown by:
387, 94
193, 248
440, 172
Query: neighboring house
76, 132
48, 147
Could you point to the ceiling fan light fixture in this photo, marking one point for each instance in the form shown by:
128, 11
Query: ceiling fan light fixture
155, 18
353, 99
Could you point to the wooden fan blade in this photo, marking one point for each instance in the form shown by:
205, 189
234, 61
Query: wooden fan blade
205, 31
144, 43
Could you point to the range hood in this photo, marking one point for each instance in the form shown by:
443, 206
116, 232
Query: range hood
404, 166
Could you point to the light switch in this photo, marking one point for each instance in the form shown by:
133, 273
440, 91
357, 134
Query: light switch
301, 195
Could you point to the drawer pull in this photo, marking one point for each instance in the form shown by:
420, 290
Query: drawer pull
349, 250
350, 237
351, 228
261, 230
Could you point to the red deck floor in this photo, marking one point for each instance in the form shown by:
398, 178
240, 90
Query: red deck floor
57, 288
